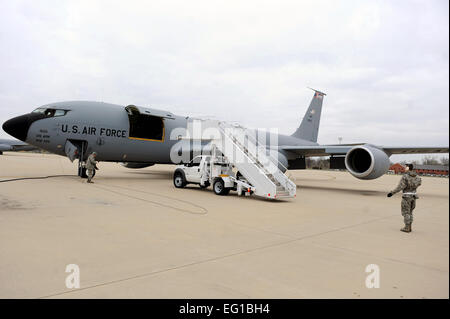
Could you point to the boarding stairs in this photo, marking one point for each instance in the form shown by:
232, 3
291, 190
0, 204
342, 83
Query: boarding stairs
252, 159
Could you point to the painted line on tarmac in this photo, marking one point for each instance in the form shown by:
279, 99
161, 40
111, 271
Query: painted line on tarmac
31, 178
203, 211
244, 252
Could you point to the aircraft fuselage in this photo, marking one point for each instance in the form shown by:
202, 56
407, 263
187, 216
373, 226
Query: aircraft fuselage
106, 129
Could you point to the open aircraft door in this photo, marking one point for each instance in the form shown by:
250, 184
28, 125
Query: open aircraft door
76, 149
71, 151
147, 124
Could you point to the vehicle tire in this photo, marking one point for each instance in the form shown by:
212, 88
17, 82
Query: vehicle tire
219, 187
178, 180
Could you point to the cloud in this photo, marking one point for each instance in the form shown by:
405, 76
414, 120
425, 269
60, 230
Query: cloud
383, 64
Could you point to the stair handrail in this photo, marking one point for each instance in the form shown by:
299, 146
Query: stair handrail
288, 184
259, 168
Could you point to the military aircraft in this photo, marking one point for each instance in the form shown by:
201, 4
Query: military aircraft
139, 137
14, 146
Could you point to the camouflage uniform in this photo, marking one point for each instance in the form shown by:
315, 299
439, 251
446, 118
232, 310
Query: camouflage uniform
91, 165
408, 184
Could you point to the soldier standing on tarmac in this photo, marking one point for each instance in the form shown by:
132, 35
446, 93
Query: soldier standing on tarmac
408, 184
91, 165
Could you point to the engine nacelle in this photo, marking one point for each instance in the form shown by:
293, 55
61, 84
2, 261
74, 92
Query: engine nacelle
367, 162
136, 165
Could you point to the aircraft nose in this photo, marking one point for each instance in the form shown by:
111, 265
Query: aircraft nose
18, 126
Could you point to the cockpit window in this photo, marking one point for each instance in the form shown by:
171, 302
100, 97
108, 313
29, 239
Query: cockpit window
39, 110
60, 112
49, 112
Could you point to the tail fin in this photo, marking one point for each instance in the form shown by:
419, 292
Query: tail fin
309, 128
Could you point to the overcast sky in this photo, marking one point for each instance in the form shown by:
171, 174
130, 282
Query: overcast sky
383, 64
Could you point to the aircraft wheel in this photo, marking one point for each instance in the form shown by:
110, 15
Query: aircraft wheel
178, 180
219, 187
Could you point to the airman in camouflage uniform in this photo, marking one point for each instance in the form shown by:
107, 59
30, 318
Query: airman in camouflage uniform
408, 185
91, 165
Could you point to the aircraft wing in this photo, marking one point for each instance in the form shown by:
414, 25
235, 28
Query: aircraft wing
327, 150
13, 145
414, 150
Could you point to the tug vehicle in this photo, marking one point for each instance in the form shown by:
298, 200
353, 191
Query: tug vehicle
206, 170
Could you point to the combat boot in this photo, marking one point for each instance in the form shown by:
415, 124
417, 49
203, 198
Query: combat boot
406, 229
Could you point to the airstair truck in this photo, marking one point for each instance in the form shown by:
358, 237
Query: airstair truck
233, 147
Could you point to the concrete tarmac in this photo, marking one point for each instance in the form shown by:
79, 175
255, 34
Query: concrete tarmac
134, 235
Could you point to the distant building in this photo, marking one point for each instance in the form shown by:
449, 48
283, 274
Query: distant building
397, 168
431, 169
438, 170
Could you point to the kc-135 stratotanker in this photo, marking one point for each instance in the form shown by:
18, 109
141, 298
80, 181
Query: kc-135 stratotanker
140, 137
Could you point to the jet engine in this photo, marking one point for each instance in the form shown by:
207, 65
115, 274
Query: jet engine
136, 165
367, 162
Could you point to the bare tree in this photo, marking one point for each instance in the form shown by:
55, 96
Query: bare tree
444, 161
430, 160
415, 162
